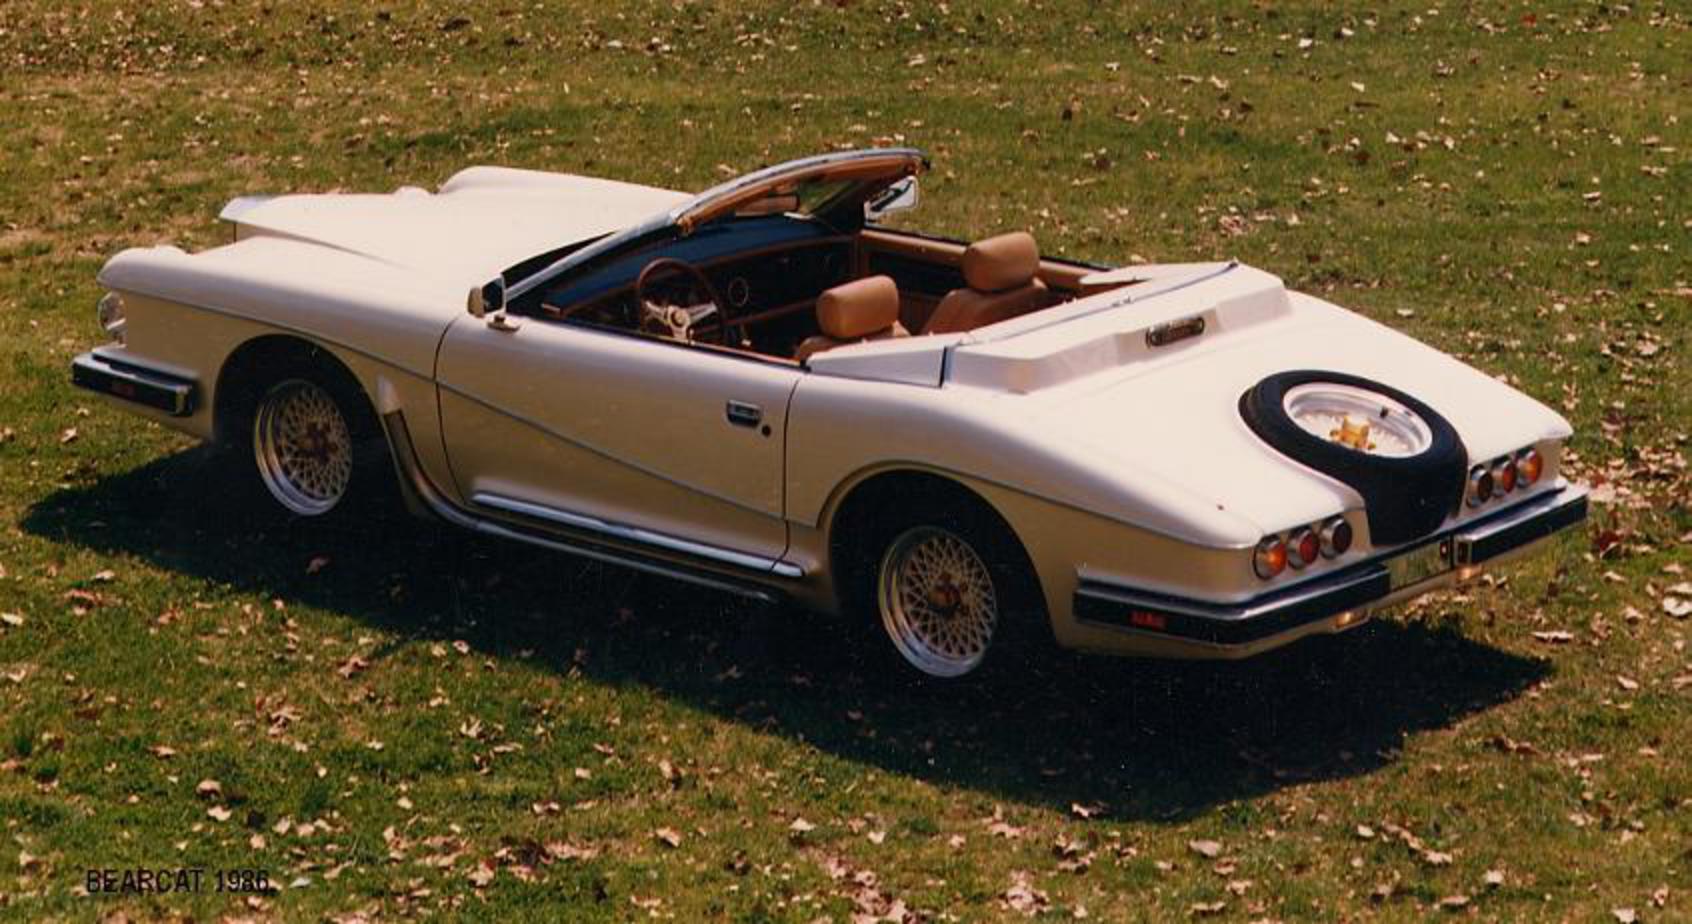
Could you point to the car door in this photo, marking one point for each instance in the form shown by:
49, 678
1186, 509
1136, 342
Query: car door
646, 441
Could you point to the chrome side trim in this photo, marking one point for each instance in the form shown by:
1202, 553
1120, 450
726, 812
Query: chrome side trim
636, 534
417, 484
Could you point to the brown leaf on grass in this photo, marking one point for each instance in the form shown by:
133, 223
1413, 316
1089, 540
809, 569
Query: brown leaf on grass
351, 667
1210, 850
482, 874
1436, 858
1493, 878
1678, 607
1454, 902
669, 837
219, 813
163, 752
208, 789
562, 850
14, 620
317, 563
1206, 909
1627, 683
1555, 637
68, 435
1090, 810
1511, 746
1625, 915
1022, 897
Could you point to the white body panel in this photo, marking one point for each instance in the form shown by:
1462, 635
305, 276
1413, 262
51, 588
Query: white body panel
1112, 459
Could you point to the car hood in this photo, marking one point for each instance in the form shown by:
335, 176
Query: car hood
482, 220
1163, 421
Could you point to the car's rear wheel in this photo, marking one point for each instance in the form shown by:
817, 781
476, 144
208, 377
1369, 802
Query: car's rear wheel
947, 590
937, 602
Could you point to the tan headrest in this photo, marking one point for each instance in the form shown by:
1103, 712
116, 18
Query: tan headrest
858, 309
999, 263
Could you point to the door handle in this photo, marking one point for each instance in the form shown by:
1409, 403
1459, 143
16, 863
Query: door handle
744, 414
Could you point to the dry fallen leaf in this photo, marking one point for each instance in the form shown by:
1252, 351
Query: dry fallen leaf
12, 619
1210, 850
669, 837
219, 813
1023, 897
208, 788
1625, 915
1555, 637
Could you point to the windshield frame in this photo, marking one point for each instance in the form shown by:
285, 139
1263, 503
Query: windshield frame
873, 167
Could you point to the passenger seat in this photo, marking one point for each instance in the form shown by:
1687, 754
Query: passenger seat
999, 272
867, 309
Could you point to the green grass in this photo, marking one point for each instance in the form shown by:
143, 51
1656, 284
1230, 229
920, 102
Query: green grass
506, 700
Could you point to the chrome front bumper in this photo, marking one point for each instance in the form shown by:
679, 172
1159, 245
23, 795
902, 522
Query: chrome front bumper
1336, 601
131, 382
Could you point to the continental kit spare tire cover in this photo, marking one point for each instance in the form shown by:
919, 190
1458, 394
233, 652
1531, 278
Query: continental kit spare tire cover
1403, 457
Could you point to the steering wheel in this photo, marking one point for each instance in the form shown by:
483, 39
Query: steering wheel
680, 324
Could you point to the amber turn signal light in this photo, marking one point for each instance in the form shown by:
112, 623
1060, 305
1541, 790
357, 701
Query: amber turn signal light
1529, 466
1270, 558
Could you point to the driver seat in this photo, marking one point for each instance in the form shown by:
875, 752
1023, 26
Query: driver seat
865, 309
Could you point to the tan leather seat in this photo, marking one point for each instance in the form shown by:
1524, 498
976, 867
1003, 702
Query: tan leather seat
999, 272
867, 309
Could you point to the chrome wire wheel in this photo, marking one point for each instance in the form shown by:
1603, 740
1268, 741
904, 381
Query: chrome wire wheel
303, 447
937, 601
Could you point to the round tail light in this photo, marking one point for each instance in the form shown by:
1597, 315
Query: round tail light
1303, 548
1529, 466
1270, 558
1504, 476
1480, 486
1336, 537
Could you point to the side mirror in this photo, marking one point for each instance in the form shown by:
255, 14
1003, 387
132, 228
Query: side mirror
486, 298
899, 197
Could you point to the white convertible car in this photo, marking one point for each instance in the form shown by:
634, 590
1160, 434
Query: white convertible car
758, 388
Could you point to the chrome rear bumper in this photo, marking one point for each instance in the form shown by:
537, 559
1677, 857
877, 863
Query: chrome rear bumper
1336, 601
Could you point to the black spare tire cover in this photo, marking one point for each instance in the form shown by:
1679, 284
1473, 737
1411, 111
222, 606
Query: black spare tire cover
1405, 497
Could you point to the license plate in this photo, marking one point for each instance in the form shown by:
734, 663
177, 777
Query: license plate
1417, 565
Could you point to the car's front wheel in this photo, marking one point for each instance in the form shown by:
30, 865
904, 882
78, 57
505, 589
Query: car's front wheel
316, 448
303, 447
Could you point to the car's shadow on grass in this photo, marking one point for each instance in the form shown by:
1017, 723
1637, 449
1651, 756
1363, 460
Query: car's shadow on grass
1153, 740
